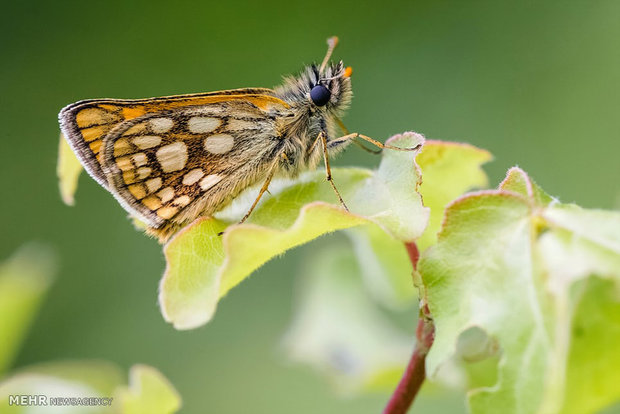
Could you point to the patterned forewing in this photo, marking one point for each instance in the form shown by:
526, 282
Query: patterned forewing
86, 124
173, 165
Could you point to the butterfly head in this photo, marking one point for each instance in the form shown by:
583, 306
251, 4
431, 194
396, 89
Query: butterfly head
327, 91
330, 88
331, 85
324, 89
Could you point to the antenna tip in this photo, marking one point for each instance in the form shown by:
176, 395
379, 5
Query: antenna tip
332, 41
348, 72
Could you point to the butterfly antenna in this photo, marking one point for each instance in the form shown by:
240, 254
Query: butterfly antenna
332, 42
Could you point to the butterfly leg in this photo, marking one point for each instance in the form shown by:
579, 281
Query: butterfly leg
262, 191
328, 170
344, 129
356, 135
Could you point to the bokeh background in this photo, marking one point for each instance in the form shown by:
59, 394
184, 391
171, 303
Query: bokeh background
536, 83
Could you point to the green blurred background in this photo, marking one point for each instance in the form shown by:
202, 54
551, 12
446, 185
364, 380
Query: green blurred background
536, 83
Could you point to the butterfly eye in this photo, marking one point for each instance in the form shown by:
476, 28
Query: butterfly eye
320, 95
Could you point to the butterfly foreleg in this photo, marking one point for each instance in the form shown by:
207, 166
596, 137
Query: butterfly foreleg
356, 135
328, 171
345, 131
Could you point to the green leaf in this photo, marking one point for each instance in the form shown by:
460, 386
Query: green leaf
518, 181
448, 170
202, 266
24, 280
582, 243
598, 226
592, 374
338, 330
385, 267
149, 392
68, 170
509, 263
67, 379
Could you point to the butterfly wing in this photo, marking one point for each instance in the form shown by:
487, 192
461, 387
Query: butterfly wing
169, 159
86, 123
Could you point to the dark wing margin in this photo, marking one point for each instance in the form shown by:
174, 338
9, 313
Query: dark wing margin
84, 124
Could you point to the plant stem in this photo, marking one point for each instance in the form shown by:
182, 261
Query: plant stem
415, 373
414, 253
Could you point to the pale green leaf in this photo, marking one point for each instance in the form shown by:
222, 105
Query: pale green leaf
507, 264
24, 280
202, 266
592, 374
448, 170
149, 392
518, 181
68, 170
338, 330
568, 258
598, 226
470, 282
66, 379
385, 267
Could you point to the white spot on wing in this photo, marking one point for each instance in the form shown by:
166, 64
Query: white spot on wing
202, 124
182, 201
139, 159
219, 143
166, 194
146, 141
172, 157
153, 184
161, 125
209, 181
193, 176
144, 172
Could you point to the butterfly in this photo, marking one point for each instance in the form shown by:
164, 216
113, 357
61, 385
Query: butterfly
169, 160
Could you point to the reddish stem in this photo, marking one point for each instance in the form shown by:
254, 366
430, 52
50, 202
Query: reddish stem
415, 373
414, 253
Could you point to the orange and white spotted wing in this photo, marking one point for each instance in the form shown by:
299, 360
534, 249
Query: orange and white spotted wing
86, 123
169, 159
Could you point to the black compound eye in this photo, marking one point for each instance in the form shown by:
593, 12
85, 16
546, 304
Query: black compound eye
320, 95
